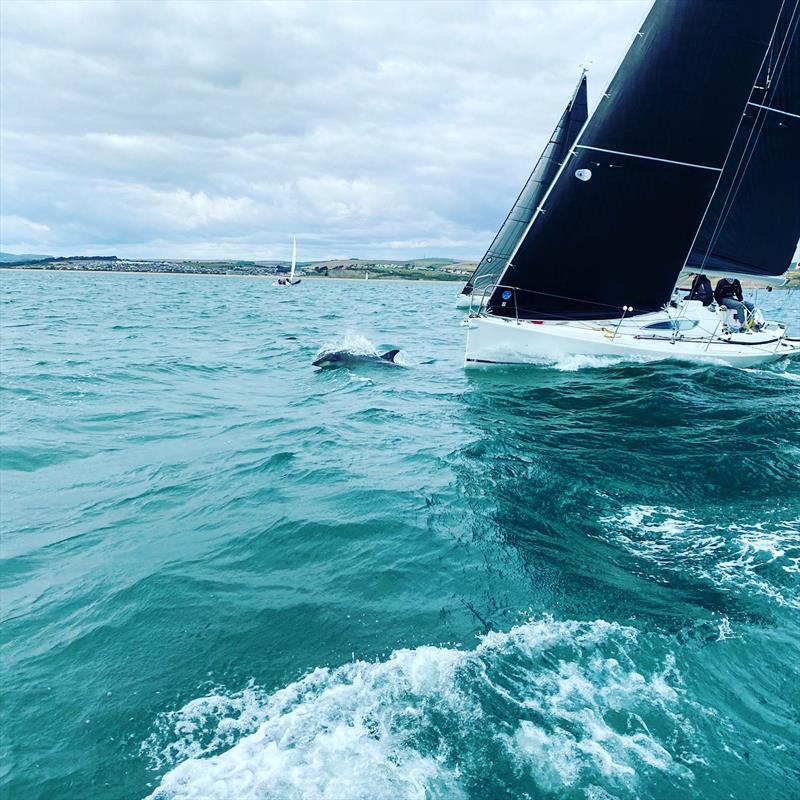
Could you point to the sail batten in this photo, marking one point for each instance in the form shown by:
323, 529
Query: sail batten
615, 227
774, 110
648, 158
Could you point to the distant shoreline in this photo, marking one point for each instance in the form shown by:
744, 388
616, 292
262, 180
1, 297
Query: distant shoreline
791, 282
272, 278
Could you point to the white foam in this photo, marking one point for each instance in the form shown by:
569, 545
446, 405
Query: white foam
725, 630
351, 342
780, 370
404, 359
572, 363
732, 556
425, 722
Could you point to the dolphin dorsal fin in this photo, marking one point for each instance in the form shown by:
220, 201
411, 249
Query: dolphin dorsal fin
389, 355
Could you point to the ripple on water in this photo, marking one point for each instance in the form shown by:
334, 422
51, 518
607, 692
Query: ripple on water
189, 505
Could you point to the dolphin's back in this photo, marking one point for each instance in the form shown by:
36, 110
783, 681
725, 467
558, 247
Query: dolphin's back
344, 357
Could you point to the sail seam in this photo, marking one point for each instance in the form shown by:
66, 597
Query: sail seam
648, 158
776, 110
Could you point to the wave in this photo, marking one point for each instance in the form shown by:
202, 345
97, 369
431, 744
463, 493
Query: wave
557, 705
760, 558
573, 363
779, 370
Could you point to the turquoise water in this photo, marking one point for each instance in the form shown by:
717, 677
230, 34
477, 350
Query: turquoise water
227, 574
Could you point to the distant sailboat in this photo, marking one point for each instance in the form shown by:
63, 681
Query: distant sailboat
290, 281
689, 161
555, 152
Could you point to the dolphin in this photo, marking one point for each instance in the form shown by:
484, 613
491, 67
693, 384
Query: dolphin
342, 358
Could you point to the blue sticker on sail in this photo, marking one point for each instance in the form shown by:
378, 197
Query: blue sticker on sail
506, 295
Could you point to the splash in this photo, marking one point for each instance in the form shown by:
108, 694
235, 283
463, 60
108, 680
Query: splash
573, 363
568, 362
351, 342
558, 705
357, 346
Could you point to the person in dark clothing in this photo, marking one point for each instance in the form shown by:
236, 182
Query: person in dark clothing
701, 290
729, 294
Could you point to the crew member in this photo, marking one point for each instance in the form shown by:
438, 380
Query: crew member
729, 294
701, 290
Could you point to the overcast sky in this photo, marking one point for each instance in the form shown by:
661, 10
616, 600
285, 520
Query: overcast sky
217, 130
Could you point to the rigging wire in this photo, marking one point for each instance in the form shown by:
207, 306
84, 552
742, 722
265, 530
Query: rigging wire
780, 60
733, 140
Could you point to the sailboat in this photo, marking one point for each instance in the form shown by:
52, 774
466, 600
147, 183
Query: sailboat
555, 152
688, 165
290, 281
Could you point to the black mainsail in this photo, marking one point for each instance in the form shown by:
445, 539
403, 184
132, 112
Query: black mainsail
753, 223
551, 159
616, 225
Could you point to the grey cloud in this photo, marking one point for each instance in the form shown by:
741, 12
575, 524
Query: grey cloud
197, 129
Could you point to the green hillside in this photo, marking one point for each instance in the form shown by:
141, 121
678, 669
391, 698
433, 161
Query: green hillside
20, 258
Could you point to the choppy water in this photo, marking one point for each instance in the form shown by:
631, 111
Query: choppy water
229, 575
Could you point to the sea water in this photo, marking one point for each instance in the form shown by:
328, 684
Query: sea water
228, 574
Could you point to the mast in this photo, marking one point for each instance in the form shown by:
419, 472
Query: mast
553, 155
294, 257
614, 228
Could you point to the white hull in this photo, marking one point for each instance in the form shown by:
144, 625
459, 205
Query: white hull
498, 340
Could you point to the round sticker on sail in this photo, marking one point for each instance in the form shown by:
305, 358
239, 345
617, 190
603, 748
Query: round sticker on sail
506, 295
583, 174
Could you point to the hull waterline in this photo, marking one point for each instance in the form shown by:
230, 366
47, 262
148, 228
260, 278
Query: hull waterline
498, 340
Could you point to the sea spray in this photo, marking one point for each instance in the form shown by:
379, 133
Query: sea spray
548, 704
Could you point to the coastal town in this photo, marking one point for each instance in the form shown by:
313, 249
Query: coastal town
441, 269
429, 269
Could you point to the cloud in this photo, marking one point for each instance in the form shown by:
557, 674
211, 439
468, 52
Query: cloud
21, 229
183, 129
